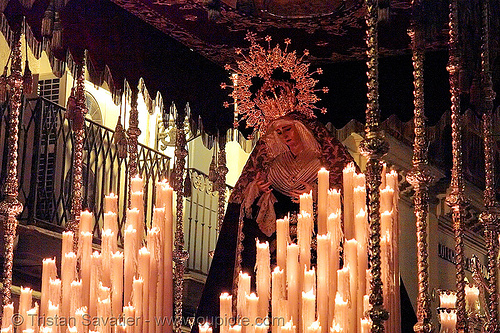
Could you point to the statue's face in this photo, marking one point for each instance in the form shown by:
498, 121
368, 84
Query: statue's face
289, 135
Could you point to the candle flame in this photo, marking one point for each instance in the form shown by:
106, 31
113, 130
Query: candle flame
277, 270
349, 168
340, 300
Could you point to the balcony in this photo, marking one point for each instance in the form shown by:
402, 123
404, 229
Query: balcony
45, 189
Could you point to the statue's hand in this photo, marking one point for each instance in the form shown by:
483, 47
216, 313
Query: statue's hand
262, 184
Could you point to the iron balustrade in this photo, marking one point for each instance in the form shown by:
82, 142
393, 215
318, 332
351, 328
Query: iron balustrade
45, 173
200, 221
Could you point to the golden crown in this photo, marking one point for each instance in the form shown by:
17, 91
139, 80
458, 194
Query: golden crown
271, 83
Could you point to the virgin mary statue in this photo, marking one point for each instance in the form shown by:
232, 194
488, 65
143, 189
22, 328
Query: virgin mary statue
275, 94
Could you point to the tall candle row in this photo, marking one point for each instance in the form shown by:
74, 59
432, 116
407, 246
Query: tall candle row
326, 297
114, 291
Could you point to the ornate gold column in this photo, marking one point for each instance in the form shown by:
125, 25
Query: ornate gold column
374, 147
419, 177
180, 255
133, 133
77, 116
456, 200
10, 207
221, 183
491, 214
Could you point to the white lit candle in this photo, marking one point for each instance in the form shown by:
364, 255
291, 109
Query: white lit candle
104, 312
386, 222
448, 320
129, 318
282, 238
366, 303
54, 292
366, 325
289, 327
335, 231
351, 257
167, 242
359, 200
323, 242
137, 200
472, 298
67, 243
341, 317
362, 257
8, 312
134, 219
225, 312
159, 198
116, 283
334, 205
103, 292
335, 328
49, 271
306, 203
304, 233
153, 243
263, 277
323, 185
383, 179
243, 291
111, 222
205, 328
95, 277
315, 327
108, 246
138, 287
25, 300
136, 184
68, 274
130, 257
143, 268
85, 221
111, 203
8, 329
308, 309
252, 303
348, 174
386, 197
392, 179
32, 318
85, 265
81, 323
158, 218
309, 280
343, 282
235, 329
278, 295
358, 179
76, 297
385, 255
52, 311
292, 278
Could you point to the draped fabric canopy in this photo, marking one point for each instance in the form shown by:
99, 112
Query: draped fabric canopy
182, 57
121, 47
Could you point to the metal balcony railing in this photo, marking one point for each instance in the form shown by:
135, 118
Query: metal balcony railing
46, 178
45, 173
200, 221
